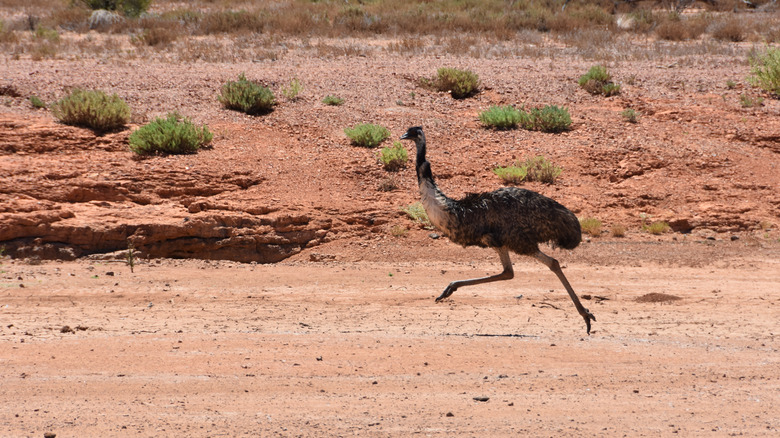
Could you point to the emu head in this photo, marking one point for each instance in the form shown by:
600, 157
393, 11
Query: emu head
414, 133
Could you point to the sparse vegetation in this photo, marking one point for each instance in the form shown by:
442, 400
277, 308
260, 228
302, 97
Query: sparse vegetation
501, 117
630, 115
393, 157
765, 70
748, 101
170, 135
542, 170
533, 169
598, 81
292, 91
618, 230
731, 84
92, 109
511, 174
459, 83
247, 96
37, 103
332, 100
657, 228
417, 213
367, 134
591, 225
399, 231
548, 119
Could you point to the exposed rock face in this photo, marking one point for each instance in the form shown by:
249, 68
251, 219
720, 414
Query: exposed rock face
56, 203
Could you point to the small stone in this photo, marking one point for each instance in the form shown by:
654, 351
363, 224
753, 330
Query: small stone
434, 236
481, 399
49, 435
449, 414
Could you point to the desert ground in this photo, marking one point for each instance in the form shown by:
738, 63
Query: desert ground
278, 288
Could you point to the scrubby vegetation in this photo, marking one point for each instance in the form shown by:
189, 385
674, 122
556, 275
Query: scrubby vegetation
292, 91
92, 109
598, 81
630, 115
765, 70
542, 170
501, 117
394, 157
618, 230
511, 174
459, 83
332, 100
547, 119
131, 8
417, 213
170, 135
247, 96
533, 169
591, 225
658, 227
37, 103
367, 134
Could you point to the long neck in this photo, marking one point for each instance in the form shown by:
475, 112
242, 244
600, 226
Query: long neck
422, 165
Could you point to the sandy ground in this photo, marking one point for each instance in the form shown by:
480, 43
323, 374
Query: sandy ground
197, 348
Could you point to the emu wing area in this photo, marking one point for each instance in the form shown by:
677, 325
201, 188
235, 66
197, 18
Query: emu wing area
516, 218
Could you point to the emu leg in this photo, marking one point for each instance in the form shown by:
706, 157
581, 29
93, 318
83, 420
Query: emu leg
507, 274
556, 267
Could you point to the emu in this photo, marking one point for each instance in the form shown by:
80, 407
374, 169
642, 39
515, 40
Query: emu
507, 219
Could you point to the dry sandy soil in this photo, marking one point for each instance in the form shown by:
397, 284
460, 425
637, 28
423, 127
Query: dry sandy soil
335, 332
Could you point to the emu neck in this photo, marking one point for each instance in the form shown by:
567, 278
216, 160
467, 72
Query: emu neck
434, 201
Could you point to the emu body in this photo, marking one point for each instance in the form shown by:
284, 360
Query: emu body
507, 219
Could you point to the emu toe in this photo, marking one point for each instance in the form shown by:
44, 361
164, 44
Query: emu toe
447, 292
588, 316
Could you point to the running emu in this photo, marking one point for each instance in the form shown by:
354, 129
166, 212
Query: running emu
506, 219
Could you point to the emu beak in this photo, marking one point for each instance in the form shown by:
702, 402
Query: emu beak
405, 136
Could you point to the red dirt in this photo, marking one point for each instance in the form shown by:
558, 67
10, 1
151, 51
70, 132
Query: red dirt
342, 336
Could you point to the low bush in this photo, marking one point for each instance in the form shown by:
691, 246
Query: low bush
511, 174
417, 213
765, 71
367, 134
92, 109
656, 228
618, 230
37, 103
292, 91
591, 225
501, 117
247, 96
394, 157
542, 170
598, 81
459, 83
332, 100
170, 135
630, 115
548, 119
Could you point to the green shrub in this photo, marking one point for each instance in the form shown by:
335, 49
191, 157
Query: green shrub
332, 100
541, 170
247, 96
48, 34
591, 225
417, 213
92, 109
394, 157
548, 119
37, 102
501, 117
367, 135
131, 8
170, 135
293, 90
749, 101
765, 71
511, 174
630, 115
598, 81
460, 83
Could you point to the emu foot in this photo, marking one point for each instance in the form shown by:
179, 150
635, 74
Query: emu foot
588, 316
447, 292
